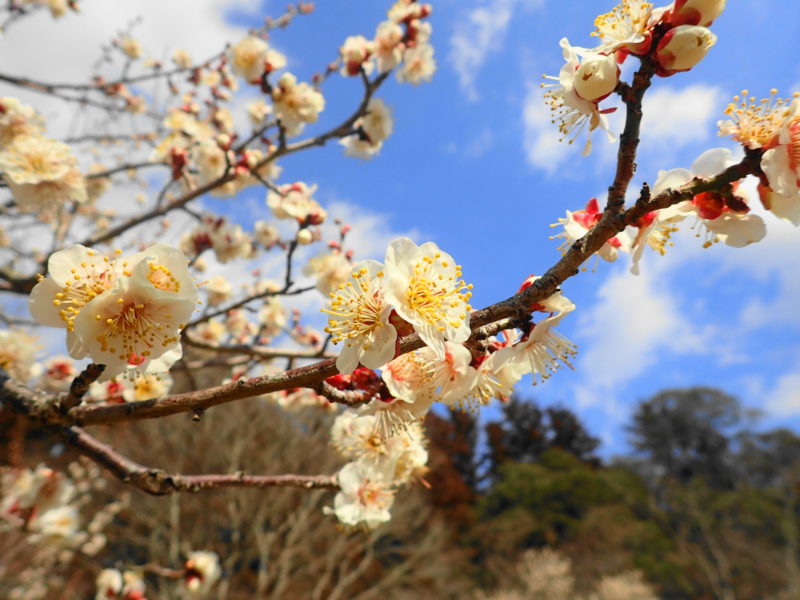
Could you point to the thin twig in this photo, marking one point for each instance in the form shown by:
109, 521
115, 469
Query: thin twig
158, 482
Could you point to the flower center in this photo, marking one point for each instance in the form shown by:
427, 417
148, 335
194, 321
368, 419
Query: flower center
372, 494
132, 331
357, 308
756, 123
85, 286
436, 297
161, 277
626, 19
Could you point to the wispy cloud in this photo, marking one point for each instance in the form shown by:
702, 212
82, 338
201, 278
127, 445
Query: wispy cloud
478, 32
541, 139
635, 320
676, 117
203, 32
783, 400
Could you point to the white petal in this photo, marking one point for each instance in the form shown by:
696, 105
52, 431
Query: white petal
712, 162
670, 180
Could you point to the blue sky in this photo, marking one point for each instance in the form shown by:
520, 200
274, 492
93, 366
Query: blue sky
474, 166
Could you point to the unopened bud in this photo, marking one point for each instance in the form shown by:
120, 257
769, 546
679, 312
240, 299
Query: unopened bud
682, 48
304, 236
695, 12
596, 77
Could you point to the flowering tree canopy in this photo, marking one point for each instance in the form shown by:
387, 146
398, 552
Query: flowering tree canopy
116, 236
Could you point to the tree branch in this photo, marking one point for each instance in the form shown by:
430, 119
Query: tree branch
158, 482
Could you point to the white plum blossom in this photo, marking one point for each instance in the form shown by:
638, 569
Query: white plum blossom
388, 48
403, 11
251, 57
542, 351
140, 317
359, 317
494, 378
42, 175
139, 387
272, 316
356, 52
597, 76
371, 131
329, 269
18, 354
55, 525
57, 373
571, 112
109, 584
296, 104
366, 495
76, 276
18, 120
266, 233
201, 572
294, 201
218, 290
418, 379
258, 110
411, 379
424, 286
182, 58
357, 437
131, 47
626, 27
781, 165
736, 228
418, 64
578, 223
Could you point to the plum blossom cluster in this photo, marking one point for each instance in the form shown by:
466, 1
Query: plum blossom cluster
18, 354
379, 465
228, 241
46, 505
115, 585
719, 216
773, 126
41, 500
403, 41
201, 572
419, 289
675, 36
41, 173
125, 313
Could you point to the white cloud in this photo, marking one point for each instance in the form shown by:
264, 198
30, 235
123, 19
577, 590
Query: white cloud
635, 320
370, 232
74, 42
543, 149
677, 117
479, 32
784, 399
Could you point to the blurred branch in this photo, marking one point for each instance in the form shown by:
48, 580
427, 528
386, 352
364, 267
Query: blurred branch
158, 482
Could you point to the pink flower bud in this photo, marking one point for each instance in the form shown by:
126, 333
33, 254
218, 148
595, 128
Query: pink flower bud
695, 12
682, 48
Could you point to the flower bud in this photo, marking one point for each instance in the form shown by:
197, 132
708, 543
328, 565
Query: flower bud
304, 236
695, 12
596, 77
682, 48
